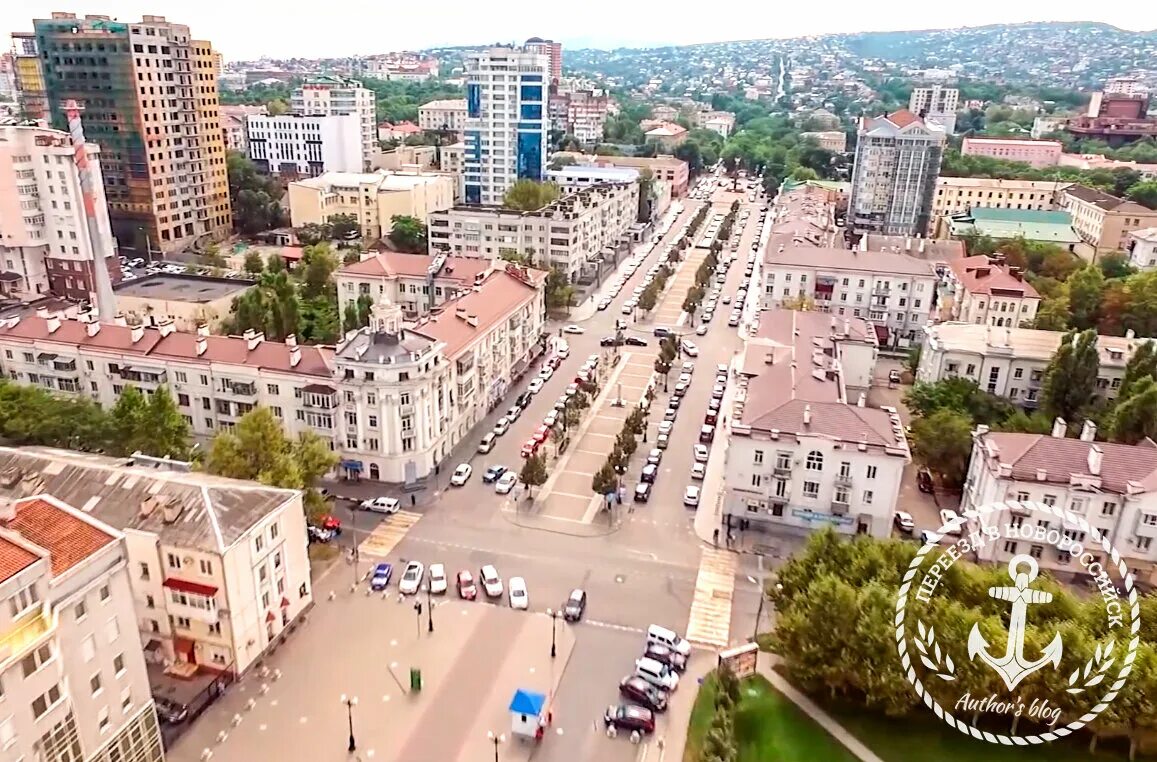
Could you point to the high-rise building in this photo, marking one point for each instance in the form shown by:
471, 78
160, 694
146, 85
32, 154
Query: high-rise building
150, 97
29, 76
295, 145
936, 105
336, 96
894, 177
550, 49
507, 122
46, 244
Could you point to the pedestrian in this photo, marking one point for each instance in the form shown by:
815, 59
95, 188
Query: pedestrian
413, 500
715, 538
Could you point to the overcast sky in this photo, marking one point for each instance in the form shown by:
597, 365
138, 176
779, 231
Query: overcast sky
253, 28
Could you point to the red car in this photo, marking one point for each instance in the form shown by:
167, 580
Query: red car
332, 523
530, 448
541, 433
466, 589
630, 718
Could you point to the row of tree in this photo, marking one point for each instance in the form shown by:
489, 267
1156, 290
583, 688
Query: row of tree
719, 742
606, 479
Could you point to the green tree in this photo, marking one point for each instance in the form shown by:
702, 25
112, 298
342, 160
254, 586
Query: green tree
1114, 265
164, 432
126, 420
318, 264
533, 472
1135, 418
1053, 315
274, 263
605, 479
1070, 381
211, 256
258, 449
559, 291
253, 262
255, 198
528, 195
1144, 193
408, 233
943, 442
344, 226
1142, 364
1084, 289
650, 297
312, 233
349, 318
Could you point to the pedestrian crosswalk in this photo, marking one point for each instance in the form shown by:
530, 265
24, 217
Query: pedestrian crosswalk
710, 619
382, 541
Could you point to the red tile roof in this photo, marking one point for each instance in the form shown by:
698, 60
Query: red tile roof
902, 118
68, 538
500, 293
14, 558
1059, 458
392, 264
979, 275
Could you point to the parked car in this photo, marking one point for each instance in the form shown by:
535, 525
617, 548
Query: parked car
529, 448
701, 453
947, 516
492, 473
575, 605
487, 443
380, 578
630, 718
650, 473
924, 481
380, 505
698, 471
501, 426
466, 589
171, 712
411, 578
690, 349
663, 440
642, 492
519, 599
506, 483
691, 496
319, 534
655, 457
491, 582
666, 655
707, 433
535, 385
635, 341
904, 522
461, 475
437, 579
656, 673
573, 329
638, 691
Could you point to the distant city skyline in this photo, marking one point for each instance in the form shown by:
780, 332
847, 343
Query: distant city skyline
261, 29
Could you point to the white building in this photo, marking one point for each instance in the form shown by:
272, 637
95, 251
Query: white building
722, 122
982, 290
72, 673
1143, 248
937, 105
507, 122
802, 451
1011, 362
1113, 486
574, 177
415, 282
444, 115
305, 146
894, 176
895, 292
335, 96
570, 233
44, 239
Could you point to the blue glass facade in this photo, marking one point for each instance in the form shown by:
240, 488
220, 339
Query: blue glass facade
473, 194
530, 155
531, 93
473, 101
530, 111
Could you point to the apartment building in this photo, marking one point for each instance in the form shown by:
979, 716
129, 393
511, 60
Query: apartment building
1143, 248
373, 198
297, 145
417, 283
452, 161
553, 52
1036, 153
218, 567
984, 291
337, 96
187, 301
961, 194
507, 122
31, 91
803, 450
1110, 485
664, 113
1104, 221
570, 234
937, 105
404, 67
46, 246
721, 122
667, 135
1011, 362
663, 167
1051, 227
894, 176
574, 177
447, 115
233, 126
585, 112
835, 141
150, 97
72, 673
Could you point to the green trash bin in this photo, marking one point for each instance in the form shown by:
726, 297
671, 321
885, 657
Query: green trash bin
415, 680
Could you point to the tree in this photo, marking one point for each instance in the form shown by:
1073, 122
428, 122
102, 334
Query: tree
312, 233
559, 291
1141, 365
1135, 418
1144, 193
317, 267
408, 233
1115, 265
274, 263
533, 472
344, 226
255, 198
650, 297
528, 195
1053, 315
257, 449
211, 256
253, 262
1070, 381
1084, 289
562, 161
605, 480
126, 420
943, 442
164, 432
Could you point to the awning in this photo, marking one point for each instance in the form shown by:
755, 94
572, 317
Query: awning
269, 617
881, 333
352, 465
284, 602
318, 389
45, 357
190, 587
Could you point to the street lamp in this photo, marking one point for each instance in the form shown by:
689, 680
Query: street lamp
350, 702
553, 628
496, 740
418, 611
429, 607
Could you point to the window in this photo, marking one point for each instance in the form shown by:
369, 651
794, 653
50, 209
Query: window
126, 700
277, 560
1108, 508
113, 630
174, 561
183, 622
7, 734
1149, 519
756, 480
758, 457
871, 472
25, 598
868, 497
1143, 543
845, 470
273, 389
1049, 500
1036, 551
88, 648
815, 461
35, 660
811, 489
1009, 546
80, 611
1016, 521
150, 602
94, 683
273, 532
41, 704
105, 594
1022, 497
103, 720
783, 460
259, 543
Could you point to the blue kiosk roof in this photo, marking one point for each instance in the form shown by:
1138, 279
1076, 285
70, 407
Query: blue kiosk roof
527, 702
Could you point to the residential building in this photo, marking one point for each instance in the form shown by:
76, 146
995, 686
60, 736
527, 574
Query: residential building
233, 126
398, 132
373, 198
894, 176
933, 250
572, 233
668, 135
1115, 118
75, 687
1036, 153
835, 141
664, 113
417, 283
1046, 125
404, 158
960, 194
573, 177
822, 119
803, 450
553, 51
1143, 248
1054, 227
453, 162
1125, 86
982, 290
1011, 362
586, 112
1110, 485
507, 123
936, 105
299, 145
445, 115
663, 167
46, 245
336, 96
163, 158
8, 89
402, 67
1089, 161
29, 75
187, 301
722, 122
218, 567
1104, 221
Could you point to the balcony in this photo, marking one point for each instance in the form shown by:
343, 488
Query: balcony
844, 479
25, 634
1145, 529
240, 389
839, 508
782, 469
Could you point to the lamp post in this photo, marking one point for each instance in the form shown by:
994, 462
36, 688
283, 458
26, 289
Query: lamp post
553, 628
350, 702
496, 740
418, 611
354, 536
429, 607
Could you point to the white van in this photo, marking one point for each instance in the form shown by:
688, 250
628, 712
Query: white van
668, 638
656, 673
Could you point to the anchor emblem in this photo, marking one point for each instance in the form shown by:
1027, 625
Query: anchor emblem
1013, 666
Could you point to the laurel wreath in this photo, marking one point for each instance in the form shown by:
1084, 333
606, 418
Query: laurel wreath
936, 661
1095, 669
1125, 665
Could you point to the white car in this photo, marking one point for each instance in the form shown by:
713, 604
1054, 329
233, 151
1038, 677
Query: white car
563, 351
690, 349
437, 579
701, 330
518, 597
691, 496
604, 304
546, 372
461, 475
501, 426
698, 471
487, 443
535, 385
666, 426
947, 516
904, 522
688, 369
701, 453
506, 483
573, 329
628, 308
381, 505
411, 578
491, 582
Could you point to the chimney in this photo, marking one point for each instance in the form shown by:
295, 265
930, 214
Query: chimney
87, 316
291, 341
42, 312
170, 509
202, 329
807, 415
120, 320
294, 356
1095, 458
252, 339
165, 326
908, 244
138, 333
1089, 431
923, 242
202, 345
1130, 334
1060, 428
862, 400
92, 328
54, 323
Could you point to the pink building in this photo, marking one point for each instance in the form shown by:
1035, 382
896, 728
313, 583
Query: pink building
1038, 153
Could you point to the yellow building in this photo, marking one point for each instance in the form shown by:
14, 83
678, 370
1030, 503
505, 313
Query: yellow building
373, 198
187, 301
960, 194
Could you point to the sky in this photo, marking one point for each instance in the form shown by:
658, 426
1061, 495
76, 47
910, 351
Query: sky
254, 28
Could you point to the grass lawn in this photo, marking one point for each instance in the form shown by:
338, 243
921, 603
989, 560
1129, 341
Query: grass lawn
767, 726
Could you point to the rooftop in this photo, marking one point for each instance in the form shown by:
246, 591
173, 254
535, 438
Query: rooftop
1042, 458
185, 509
850, 260
458, 322
1106, 201
382, 179
455, 104
1006, 141
932, 249
1030, 224
667, 130
67, 534
613, 174
195, 289
993, 183
1021, 343
985, 275
14, 558
393, 264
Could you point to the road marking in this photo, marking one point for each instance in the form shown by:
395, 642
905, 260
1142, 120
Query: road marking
551, 559
382, 541
571, 494
709, 622
610, 626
